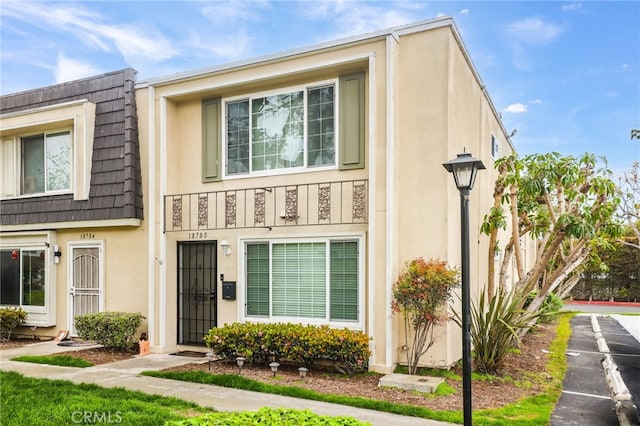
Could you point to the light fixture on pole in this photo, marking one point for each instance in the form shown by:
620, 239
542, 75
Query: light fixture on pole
303, 372
209, 356
464, 169
274, 367
240, 361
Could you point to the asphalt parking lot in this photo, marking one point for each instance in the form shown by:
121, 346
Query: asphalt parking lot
586, 399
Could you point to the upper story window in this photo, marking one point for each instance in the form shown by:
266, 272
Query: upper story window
281, 131
45, 162
309, 127
495, 147
47, 150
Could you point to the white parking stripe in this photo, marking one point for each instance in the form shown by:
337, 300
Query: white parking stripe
586, 394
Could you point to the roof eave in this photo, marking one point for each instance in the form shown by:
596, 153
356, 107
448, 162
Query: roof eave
400, 30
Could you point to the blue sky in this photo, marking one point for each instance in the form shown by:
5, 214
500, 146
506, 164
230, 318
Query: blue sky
566, 75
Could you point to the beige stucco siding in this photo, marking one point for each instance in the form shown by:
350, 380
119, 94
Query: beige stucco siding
424, 105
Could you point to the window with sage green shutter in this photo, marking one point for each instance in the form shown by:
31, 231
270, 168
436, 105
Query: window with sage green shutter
344, 281
314, 280
258, 279
285, 129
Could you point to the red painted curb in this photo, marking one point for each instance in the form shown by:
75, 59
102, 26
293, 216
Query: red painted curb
602, 302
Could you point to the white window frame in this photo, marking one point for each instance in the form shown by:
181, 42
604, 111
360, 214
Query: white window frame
78, 117
39, 316
305, 168
20, 162
242, 278
495, 147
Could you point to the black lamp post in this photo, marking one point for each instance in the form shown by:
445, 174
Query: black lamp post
464, 169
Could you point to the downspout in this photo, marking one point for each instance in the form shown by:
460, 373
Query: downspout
151, 261
163, 237
390, 201
371, 242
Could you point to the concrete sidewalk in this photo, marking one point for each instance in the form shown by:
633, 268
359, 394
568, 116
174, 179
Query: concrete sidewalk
125, 374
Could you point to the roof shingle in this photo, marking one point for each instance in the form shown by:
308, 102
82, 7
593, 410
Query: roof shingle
116, 182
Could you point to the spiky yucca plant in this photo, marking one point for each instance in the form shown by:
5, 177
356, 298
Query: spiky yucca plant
495, 325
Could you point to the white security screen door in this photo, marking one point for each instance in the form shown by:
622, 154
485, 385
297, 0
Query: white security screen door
86, 295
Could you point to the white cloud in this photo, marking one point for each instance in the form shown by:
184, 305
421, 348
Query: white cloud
67, 69
464, 12
530, 32
134, 41
233, 45
516, 108
352, 18
534, 31
536, 101
237, 10
571, 7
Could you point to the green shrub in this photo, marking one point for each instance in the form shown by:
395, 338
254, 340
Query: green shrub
268, 417
302, 344
10, 318
114, 330
549, 308
495, 325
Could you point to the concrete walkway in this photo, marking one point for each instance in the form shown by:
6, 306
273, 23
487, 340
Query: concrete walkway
125, 374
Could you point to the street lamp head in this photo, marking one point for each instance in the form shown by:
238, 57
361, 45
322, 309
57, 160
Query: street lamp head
464, 168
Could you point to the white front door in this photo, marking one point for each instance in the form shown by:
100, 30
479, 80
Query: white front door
85, 289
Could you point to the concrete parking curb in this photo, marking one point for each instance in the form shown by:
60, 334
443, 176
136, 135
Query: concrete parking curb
626, 411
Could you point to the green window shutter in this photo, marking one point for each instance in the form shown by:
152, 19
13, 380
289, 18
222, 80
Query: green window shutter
211, 140
258, 279
352, 121
344, 281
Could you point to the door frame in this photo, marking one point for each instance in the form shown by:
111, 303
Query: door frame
179, 278
71, 245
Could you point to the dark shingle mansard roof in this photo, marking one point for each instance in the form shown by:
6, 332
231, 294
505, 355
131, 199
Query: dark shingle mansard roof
116, 182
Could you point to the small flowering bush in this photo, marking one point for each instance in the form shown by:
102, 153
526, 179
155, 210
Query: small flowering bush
348, 350
421, 293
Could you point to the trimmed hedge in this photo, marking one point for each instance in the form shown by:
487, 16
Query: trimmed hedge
113, 330
10, 318
348, 350
268, 417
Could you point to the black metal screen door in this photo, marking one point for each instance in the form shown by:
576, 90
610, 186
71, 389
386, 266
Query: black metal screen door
197, 306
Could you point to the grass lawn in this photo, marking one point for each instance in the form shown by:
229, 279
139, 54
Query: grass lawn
61, 360
29, 401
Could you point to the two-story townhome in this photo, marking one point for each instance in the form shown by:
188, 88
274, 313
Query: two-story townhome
293, 187
72, 239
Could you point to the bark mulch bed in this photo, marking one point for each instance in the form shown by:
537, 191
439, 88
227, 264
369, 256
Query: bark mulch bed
523, 375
